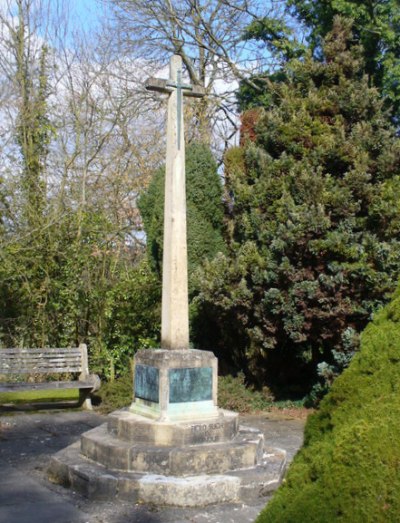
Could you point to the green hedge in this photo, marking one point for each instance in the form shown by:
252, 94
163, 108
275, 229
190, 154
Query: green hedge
349, 467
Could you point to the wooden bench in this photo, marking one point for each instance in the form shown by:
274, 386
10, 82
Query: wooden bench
43, 362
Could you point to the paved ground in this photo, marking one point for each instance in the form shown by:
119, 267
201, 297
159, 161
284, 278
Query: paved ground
28, 439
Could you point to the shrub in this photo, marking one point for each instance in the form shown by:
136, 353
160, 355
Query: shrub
348, 468
233, 394
204, 209
115, 394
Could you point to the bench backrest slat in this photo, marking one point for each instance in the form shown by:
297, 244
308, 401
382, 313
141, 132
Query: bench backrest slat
39, 370
43, 361
72, 350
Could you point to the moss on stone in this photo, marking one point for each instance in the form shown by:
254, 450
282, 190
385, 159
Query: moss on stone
349, 467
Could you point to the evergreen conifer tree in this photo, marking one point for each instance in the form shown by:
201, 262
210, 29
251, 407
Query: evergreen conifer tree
314, 222
376, 25
204, 209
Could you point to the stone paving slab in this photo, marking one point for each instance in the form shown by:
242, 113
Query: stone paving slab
24, 500
28, 440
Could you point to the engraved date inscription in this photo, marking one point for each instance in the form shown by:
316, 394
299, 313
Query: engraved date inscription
208, 432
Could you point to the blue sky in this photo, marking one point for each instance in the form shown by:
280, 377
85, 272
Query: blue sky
82, 10
86, 12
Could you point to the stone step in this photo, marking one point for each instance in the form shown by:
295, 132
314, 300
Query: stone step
69, 468
244, 451
132, 427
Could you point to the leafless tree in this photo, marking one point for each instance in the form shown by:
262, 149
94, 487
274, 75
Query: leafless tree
108, 137
208, 36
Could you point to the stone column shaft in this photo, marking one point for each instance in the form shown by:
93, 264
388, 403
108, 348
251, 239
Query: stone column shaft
175, 306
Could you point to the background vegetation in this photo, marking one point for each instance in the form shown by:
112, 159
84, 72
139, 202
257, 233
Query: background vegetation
293, 233
313, 248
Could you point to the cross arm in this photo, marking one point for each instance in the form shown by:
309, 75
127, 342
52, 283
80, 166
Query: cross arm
157, 84
197, 91
164, 86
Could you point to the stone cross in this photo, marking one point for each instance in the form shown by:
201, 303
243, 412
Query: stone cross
175, 302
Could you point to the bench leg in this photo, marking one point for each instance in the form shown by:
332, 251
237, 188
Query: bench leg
84, 400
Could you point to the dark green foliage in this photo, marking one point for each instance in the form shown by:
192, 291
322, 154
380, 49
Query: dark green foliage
277, 37
233, 394
115, 394
348, 469
314, 224
204, 209
151, 206
133, 316
248, 97
376, 26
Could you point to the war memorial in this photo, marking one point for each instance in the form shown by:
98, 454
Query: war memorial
172, 445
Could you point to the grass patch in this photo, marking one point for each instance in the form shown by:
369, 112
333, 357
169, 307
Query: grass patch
39, 396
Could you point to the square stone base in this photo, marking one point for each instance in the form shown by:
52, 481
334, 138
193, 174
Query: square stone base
175, 385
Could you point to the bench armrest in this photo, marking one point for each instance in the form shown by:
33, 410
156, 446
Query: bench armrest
94, 378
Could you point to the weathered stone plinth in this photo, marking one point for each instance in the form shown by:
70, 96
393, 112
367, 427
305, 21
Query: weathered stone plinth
170, 463
173, 445
244, 450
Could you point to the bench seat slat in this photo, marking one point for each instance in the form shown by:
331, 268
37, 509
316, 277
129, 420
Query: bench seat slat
44, 353
10, 387
41, 364
15, 356
39, 369
40, 349
26, 369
